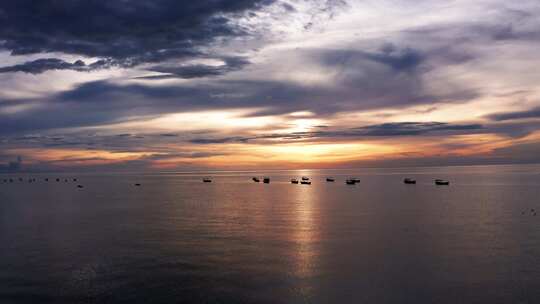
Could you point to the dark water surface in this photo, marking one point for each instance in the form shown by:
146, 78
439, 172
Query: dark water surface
175, 239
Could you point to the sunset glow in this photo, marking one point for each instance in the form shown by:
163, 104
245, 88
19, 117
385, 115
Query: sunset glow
283, 84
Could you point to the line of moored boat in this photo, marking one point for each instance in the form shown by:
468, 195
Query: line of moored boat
33, 180
46, 179
304, 180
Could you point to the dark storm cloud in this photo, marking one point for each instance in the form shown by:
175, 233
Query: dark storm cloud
413, 128
389, 55
399, 59
132, 142
197, 70
514, 129
391, 75
42, 65
222, 140
99, 102
378, 130
531, 113
126, 33
382, 131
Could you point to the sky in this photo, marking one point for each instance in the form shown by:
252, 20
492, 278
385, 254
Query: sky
267, 84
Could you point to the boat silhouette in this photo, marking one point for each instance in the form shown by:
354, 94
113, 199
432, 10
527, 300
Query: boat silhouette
442, 182
409, 181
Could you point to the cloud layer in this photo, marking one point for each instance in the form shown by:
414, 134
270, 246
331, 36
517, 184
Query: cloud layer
159, 83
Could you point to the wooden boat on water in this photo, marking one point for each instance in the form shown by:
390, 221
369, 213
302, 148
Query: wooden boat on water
305, 178
350, 182
305, 182
256, 179
409, 181
294, 181
330, 179
266, 180
441, 182
207, 180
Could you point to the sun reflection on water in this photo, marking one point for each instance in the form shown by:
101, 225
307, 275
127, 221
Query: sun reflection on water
306, 232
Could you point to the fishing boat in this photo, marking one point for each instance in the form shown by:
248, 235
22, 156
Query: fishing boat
330, 179
442, 182
409, 181
350, 182
256, 179
305, 182
207, 180
266, 180
305, 178
294, 181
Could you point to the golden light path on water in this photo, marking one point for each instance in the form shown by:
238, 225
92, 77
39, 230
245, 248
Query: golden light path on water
306, 233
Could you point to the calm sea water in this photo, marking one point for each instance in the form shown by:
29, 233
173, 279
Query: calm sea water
175, 239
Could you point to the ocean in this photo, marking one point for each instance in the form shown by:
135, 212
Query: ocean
175, 239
